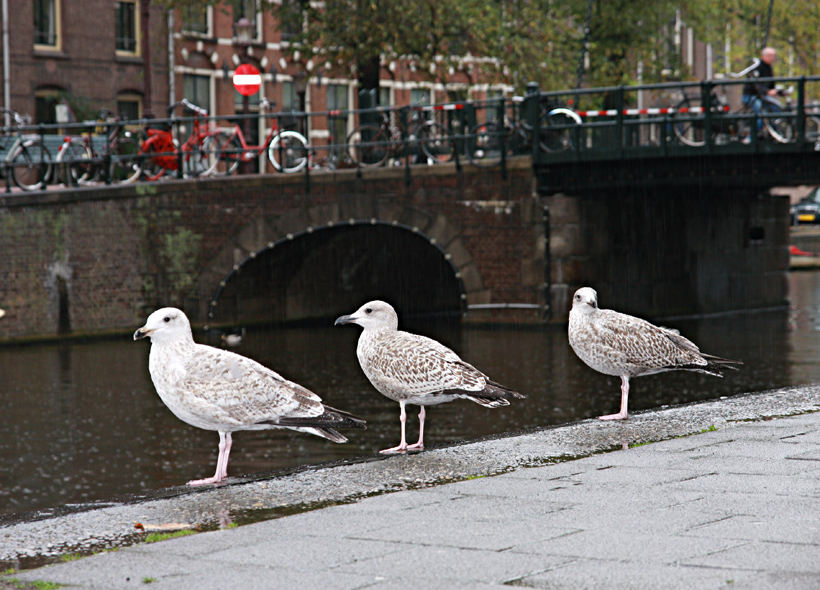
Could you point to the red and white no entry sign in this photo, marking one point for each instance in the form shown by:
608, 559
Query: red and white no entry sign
247, 80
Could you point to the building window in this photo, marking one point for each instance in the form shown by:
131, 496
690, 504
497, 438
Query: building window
291, 29
197, 89
45, 103
129, 106
126, 20
384, 96
337, 101
247, 9
47, 24
420, 96
195, 19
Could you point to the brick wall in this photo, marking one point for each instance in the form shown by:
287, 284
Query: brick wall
107, 256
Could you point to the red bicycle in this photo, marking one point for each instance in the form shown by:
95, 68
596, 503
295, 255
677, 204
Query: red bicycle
287, 150
199, 154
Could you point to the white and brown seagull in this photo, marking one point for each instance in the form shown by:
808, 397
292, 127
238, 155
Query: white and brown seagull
220, 390
624, 346
416, 370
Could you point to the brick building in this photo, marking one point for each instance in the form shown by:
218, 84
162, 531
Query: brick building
87, 52
207, 51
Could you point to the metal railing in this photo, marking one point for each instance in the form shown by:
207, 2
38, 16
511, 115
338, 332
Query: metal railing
560, 126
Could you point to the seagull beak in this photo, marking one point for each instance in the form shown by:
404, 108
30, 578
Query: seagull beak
345, 319
142, 333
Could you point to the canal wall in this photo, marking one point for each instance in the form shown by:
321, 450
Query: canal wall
99, 259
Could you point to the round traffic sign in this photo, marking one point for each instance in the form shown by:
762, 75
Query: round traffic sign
247, 80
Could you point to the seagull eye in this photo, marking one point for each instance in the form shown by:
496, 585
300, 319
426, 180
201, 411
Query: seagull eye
368, 310
167, 319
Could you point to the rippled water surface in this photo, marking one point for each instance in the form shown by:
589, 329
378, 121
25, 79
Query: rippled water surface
83, 422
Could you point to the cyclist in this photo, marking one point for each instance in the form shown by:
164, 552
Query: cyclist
754, 93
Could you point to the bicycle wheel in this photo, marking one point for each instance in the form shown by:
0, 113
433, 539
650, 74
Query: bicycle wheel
31, 165
75, 163
369, 146
289, 148
557, 129
197, 160
688, 130
228, 153
485, 144
780, 127
126, 164
435, 143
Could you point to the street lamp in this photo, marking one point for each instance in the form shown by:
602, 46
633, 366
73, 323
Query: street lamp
300, 84
243, 29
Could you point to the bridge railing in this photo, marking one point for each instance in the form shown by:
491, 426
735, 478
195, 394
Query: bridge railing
685, 117
557, 126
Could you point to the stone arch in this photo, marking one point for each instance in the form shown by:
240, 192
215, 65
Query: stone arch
267, 233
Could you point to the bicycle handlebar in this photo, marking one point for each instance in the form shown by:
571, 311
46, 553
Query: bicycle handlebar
194, 108
755, 62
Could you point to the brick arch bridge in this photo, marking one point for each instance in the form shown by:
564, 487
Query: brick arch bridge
243, 252
473, 221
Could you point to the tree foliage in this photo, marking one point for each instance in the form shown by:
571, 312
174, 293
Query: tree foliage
518, 41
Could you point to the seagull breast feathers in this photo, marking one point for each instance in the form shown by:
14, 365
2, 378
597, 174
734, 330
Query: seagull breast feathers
405, 366
230, 391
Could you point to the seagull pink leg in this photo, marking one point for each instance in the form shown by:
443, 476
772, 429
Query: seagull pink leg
402, 448
225, 443
624, 398
419, 445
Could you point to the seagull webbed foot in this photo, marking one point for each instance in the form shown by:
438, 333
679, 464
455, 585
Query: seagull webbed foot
202, 482
618, 416
402, 448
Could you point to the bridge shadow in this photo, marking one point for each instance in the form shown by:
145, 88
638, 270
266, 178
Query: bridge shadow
320, 273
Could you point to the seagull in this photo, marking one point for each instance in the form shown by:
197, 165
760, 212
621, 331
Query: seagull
624, 346
216, 389
2, 312
413, 369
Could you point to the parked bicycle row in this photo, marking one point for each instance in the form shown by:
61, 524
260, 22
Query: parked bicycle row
110, 150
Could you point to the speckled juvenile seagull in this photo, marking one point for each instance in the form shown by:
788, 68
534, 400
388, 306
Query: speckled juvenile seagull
219, 390
417, 370
624, 346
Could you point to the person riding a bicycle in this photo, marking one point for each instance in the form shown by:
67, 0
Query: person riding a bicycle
754, 92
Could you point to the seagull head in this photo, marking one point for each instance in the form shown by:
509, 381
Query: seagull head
585, 300
165, 325
374, 315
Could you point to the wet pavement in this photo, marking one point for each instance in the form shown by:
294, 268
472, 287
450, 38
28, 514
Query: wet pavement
727, 499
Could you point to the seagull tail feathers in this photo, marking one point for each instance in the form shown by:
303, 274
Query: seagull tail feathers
714, 365
494, 395
327, 433
323, 425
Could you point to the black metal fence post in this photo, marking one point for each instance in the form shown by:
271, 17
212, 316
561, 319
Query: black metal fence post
801, 111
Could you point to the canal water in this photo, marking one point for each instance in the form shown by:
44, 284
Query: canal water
83, 422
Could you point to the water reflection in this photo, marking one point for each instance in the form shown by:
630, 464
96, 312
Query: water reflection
83, 421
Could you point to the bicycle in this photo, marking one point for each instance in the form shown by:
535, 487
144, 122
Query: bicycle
691, 131
337, 155
81, 158
159, 153
287, 150
27, 160
372, 145
487, 140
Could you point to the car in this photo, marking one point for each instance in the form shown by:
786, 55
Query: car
807, 210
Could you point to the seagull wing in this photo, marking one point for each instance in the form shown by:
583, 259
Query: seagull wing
644, 345
242, 391
417, 366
